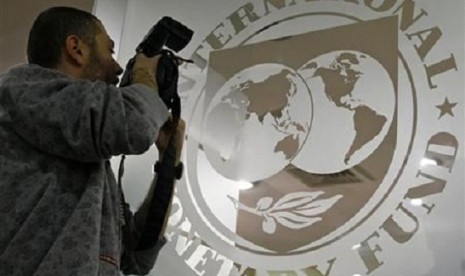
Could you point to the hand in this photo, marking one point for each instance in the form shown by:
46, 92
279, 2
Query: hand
144, 70
146, 63
176, 132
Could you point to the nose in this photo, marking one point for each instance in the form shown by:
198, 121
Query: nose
118, 70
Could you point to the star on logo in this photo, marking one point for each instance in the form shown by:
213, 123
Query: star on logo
446, 108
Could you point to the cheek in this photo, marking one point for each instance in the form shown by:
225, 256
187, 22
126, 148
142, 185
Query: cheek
106, 67
111, 65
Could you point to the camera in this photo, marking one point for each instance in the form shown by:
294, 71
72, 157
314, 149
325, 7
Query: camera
167, 33
166, 36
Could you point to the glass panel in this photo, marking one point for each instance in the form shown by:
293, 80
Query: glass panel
324, 137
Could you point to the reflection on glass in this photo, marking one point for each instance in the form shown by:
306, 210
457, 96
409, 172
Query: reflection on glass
244, 185
416, 202
428, 161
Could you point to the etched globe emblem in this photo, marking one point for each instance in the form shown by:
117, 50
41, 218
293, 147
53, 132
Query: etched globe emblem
257, 122
354, 107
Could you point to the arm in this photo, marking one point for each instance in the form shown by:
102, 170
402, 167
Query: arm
79, 119
143, 232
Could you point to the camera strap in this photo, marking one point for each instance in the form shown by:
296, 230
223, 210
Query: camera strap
148, 235
167, 81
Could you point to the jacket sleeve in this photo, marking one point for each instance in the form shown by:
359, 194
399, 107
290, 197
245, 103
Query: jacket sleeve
86, 121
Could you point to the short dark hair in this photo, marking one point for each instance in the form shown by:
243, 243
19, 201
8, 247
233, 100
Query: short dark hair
50, 30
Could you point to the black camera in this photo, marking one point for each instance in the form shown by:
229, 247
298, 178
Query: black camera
167, 33
166, 36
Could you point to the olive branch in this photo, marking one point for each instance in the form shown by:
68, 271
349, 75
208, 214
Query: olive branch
295, 210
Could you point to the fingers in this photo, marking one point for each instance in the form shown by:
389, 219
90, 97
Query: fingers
171, 130
146, 63
179, 139
181, 127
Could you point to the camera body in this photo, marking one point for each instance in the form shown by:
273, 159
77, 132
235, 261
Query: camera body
167, 33
166, 36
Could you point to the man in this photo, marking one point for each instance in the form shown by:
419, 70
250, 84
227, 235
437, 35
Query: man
61, 120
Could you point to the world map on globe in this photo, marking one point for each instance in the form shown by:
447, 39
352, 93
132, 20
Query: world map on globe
339, 81
257, 122
352, 114
269, 115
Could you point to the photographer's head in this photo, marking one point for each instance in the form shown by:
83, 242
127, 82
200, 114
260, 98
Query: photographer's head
75, 42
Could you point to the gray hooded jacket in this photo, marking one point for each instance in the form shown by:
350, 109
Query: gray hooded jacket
59, 200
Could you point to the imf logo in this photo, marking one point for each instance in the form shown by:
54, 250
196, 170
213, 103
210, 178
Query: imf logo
319, 111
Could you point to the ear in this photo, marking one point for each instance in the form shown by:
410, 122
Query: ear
76, 50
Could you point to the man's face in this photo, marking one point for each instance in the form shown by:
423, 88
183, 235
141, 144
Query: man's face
101, 64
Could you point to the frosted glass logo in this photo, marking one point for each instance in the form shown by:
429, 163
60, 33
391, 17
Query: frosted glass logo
324, 108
